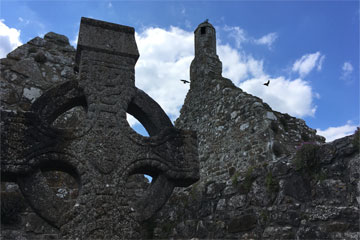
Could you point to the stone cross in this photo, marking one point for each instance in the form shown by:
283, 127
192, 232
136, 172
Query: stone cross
103, 151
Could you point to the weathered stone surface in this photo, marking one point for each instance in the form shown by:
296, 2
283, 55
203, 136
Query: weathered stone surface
54, 37
297, 187
102, 151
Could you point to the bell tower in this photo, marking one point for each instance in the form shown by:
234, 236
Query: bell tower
205, 39
206, 64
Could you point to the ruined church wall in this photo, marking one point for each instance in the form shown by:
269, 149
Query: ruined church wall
263, 174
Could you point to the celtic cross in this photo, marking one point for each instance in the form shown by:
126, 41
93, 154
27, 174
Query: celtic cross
103, 151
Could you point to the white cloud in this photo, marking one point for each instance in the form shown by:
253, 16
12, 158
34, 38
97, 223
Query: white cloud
21, 20
237, 34
75, 40
333, 133
307, 63
188, 24
234, 66
9, 39
183, 11
267, 40
240, 37
165, 57
320, 63
347, 70
110, 5
131, 120
294, 97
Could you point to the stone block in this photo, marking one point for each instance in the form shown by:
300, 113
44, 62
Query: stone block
106, 37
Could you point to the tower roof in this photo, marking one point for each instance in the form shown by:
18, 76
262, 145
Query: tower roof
204, 24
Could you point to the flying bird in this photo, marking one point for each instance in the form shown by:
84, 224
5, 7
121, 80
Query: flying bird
267, 83
184, 81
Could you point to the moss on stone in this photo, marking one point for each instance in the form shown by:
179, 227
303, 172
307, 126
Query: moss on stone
320, 176
264, 215
167, 227
272, 184
194, 190
235, 178
307, 158
249, 179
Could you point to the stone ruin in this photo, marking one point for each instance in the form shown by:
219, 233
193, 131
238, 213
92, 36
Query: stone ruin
102, 151
263, 174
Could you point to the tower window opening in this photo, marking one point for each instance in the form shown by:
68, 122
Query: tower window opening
202, 30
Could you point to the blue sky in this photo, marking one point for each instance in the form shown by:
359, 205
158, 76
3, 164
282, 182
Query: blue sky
309, 49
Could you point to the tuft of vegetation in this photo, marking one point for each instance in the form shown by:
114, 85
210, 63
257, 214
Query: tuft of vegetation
249, 179
167, 227
321, 176
272, 184
235, 178
246, 184
231, 171
307, 159
264, 215
194, 190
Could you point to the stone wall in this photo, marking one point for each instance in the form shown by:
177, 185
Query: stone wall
26, 73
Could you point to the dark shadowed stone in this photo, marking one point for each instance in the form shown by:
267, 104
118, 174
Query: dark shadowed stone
285, 218
214, 189
28, 68
243, 223
297, 187
40, 57
12, 204
337, 227
50, 236
280, 168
